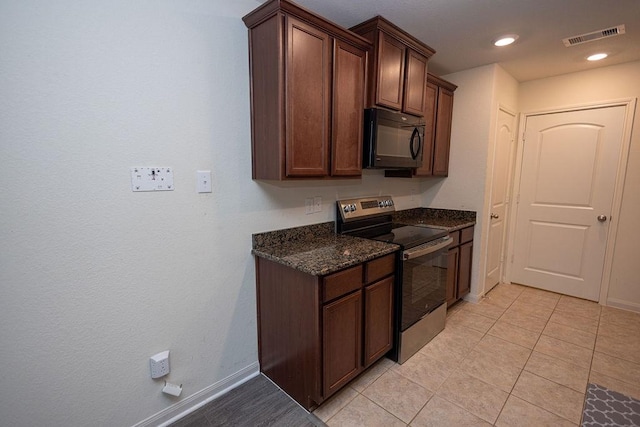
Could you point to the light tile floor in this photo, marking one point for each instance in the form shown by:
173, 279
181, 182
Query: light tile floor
520, 357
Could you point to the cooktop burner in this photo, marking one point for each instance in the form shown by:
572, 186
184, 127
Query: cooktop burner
409, 236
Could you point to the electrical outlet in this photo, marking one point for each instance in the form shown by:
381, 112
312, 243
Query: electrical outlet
308, 206
317, 204
159, 364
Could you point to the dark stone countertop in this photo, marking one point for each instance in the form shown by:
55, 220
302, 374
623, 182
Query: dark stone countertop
316, 249
447, 219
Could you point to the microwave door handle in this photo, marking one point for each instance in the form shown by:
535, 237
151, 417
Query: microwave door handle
415, 153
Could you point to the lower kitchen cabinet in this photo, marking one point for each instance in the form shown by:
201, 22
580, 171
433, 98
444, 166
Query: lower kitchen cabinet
317, 333
452, 275
459, 265
464, 268
342, 345
378, 312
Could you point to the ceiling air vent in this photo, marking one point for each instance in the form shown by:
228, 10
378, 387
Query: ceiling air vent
595, 35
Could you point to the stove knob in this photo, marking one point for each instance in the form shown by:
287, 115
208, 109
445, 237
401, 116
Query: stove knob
354, 207
390, 202
345, 208
381, 204
386, 203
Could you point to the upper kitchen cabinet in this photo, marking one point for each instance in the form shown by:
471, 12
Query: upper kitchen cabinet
397, 67
437, 135
308, 79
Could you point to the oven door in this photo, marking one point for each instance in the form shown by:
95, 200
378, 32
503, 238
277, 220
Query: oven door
424, 280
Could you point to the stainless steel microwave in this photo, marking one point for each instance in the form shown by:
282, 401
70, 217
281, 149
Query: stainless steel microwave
392, 140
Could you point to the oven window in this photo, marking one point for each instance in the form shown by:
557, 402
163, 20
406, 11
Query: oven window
424, 281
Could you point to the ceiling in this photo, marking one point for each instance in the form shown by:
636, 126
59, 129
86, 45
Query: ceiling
461, 31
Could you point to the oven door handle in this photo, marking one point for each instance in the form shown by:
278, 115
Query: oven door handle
422, 250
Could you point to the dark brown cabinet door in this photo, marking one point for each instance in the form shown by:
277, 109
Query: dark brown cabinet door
308, 95
431, 99
349, 71
390, 72
415, 81
442, 132
452, 276
378, 312
464, 271
342, 341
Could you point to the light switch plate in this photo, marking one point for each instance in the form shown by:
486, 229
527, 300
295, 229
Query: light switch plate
152, 179
203, 181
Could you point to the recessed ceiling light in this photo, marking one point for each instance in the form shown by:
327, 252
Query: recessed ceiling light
505, 40
597, 56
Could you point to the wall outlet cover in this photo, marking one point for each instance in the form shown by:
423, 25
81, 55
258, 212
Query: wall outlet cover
159, 364
151, 179
203, 181
308, 206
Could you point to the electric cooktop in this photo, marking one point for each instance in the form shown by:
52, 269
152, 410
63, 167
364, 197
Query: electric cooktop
409, 236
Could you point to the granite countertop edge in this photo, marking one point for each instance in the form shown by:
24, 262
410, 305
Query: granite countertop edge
326, 267
459, 226
316, 249
446, 219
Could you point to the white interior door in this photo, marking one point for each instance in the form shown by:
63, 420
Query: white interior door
569, 167
503, 152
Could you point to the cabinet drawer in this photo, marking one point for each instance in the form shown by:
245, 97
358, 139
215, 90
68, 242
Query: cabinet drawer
455, 235
379, 268
466, 234
342, 283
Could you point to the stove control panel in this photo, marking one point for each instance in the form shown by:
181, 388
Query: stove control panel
368, 206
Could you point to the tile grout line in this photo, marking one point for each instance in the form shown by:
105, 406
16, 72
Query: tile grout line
555, 306
473, 348
525, 363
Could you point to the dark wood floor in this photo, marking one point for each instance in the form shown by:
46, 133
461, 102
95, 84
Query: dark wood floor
258, 402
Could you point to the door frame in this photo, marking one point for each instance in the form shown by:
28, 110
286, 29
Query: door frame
630, 106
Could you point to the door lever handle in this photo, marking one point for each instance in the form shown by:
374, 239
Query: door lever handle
602, 218
495, 216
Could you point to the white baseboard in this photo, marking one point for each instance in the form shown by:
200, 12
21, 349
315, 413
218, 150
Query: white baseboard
625, 305
201, 398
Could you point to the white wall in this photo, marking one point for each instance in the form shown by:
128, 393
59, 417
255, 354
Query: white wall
601, 85
481, 90
94, 278
464, 187
476, 101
